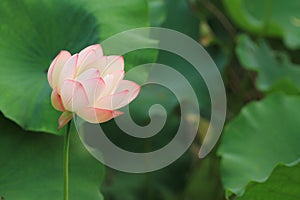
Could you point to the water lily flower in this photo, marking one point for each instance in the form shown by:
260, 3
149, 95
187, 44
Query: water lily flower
90, 85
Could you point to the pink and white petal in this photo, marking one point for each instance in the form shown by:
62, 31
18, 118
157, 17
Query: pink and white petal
87, 62
112, 82
99, 63
56, 67
93, 87
114, 101
133, 88
113, 63
84, 54
73, 95
56, 100
68, 71
96, 115
88, 74
64, 119
96, 48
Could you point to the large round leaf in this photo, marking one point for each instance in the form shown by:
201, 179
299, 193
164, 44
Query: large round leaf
265, 134
275, 70
284, 183
32, 166
33, 32
273, 18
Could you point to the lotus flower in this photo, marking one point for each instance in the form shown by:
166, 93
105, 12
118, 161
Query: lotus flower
90, 85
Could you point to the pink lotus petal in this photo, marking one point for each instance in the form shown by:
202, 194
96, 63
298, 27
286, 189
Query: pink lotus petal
95, 115
90, 57
111, 82
87, 62
74, 96
114, 101
88, 74
56, 67
99, 63
125, 93
133, 88
96, 49
69, 70
56, 100
106, 64
64, 119
113, 63
83, 57
94, 87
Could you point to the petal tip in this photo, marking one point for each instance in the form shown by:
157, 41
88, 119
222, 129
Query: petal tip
64, 119
117, 113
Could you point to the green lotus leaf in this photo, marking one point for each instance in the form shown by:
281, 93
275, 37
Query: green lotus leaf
157, 12
263, 135
275, 70
270, 18
31, 166
282, 184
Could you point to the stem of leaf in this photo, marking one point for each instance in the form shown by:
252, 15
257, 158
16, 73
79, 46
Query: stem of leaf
220, 16
66, 162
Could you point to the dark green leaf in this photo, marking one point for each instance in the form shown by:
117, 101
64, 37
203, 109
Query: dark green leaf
32, 166
157, 11
265, 134
271, 18
275, 70
284, 183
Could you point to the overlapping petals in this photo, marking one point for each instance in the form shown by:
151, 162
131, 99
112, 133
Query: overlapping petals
90, 85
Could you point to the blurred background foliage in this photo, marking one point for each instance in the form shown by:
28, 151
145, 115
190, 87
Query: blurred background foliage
255, 45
